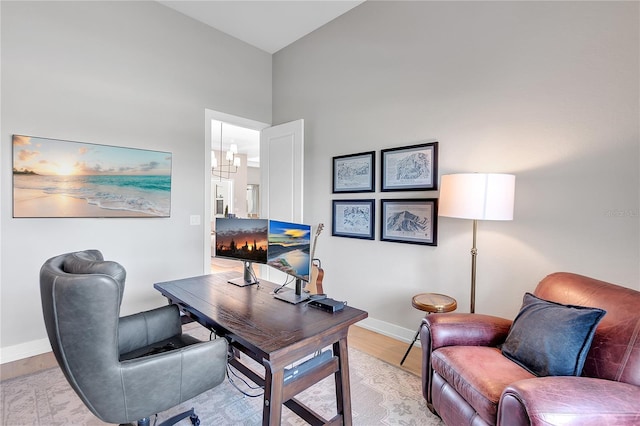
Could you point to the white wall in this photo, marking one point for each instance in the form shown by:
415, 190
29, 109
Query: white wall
253, 175
545, 90
134, 74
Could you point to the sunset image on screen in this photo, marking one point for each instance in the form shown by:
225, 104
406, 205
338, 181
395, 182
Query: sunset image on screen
242, 238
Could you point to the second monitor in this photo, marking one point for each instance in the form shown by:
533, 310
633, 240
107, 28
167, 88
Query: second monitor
290, 252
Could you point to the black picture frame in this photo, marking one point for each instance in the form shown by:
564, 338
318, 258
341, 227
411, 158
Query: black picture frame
410, 168
354, 173
409, 220
353, 219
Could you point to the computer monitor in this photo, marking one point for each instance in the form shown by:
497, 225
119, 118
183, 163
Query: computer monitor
245, 240
289, 251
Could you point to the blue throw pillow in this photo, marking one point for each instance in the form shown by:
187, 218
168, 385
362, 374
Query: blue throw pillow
551, 339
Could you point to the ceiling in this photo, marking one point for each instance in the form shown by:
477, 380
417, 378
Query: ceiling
267, 25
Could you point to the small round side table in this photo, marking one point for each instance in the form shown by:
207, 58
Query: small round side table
430, 303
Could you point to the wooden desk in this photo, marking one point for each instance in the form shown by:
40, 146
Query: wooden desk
274, 333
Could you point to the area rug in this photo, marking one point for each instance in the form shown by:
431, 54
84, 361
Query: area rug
381, 394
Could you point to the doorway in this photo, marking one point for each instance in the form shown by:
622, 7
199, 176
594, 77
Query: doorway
235, 167
280, 187
227, 189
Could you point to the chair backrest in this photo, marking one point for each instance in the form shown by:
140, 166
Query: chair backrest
81, 295
615, 350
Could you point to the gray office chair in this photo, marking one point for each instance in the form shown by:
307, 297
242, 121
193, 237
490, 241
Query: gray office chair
124, 369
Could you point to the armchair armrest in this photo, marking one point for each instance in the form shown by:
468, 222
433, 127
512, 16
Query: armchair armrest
158, 382
569, 400
146, 328
451, 329
464, 330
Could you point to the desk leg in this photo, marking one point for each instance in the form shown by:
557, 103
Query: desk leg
343, 385
273, 385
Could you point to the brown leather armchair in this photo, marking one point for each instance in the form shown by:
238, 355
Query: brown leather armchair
466, 379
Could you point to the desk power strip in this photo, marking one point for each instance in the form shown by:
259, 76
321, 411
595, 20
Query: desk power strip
327, 305
310, 364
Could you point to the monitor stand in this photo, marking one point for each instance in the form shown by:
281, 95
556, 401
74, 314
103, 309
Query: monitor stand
291, 296
247, 279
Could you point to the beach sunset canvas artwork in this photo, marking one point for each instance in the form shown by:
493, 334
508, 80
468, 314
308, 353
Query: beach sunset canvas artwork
56, 178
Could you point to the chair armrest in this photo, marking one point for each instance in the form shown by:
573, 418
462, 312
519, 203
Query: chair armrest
451, 329
158, 382
464, 330
569, 400
146, 328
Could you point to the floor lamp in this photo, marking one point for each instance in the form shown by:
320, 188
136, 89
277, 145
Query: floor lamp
477, 196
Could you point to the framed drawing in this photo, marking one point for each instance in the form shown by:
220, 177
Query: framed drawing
410, 168
55, 178
412, 221
354, 173
353, 219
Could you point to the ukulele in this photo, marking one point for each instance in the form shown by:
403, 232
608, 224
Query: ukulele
317, 274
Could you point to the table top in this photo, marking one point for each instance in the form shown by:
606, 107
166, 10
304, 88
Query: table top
252, 316
434, 302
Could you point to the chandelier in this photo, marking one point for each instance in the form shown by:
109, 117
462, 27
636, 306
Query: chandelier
229, 165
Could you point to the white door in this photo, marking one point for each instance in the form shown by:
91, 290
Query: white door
282, 171
281, 179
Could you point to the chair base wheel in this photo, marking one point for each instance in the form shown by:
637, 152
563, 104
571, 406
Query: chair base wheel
193, 417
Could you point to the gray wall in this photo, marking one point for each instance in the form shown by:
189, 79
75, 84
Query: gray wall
134, 74
545, 90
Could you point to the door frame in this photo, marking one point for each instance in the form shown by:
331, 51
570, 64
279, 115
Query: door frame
209, 115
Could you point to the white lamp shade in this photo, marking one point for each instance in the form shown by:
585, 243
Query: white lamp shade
482, 196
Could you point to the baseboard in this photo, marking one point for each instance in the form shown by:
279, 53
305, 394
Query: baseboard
388, 329
24, 350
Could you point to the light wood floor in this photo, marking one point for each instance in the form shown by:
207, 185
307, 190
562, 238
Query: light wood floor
386, 348
29, 365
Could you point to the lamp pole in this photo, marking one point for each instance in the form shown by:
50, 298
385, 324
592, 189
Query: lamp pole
474, 254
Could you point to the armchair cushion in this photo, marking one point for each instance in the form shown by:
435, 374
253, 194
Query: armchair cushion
479, 374
551, 339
